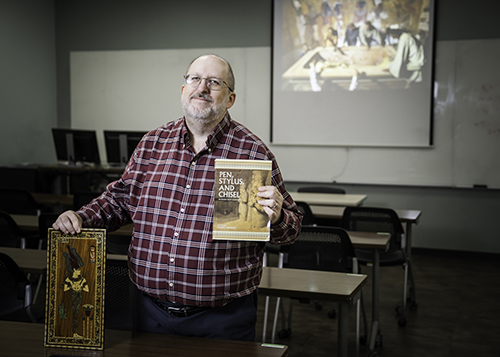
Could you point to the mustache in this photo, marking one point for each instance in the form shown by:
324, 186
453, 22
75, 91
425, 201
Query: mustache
201, 95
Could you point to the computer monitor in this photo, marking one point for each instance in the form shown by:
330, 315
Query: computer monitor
76, 147
120, 145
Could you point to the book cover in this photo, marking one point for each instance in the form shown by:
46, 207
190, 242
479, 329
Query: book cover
75, 289
237, 213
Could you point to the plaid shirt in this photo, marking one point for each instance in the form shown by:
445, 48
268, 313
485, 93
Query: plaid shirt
166, 190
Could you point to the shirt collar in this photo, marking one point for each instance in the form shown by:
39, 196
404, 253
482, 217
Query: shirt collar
214, 137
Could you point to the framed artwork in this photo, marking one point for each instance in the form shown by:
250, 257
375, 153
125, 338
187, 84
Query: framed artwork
75, 289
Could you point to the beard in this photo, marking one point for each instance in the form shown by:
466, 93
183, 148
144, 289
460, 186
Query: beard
207, 114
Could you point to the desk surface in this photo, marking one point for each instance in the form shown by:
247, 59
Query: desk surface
311, 284
328, 199
26, 339
336, 212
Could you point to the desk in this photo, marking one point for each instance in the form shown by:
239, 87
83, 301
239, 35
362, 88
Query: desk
52, 199
32, 261
26, 339
339, 287
328, 199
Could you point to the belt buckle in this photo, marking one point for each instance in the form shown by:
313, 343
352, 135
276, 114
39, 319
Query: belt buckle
177, 310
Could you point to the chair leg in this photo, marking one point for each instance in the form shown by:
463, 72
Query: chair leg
276, 313
264, 327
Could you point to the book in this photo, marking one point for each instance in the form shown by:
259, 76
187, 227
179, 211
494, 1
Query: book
74, 315
237, 213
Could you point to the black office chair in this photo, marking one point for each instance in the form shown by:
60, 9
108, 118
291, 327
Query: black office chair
373, 219
15, 292
45, 221
17, 201
320, 248
321, 189
117, 299
308, 218
10, 234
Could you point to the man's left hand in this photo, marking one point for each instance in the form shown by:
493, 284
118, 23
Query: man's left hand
272, 202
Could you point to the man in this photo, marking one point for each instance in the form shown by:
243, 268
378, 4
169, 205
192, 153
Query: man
368, 34
189, 284
409, 59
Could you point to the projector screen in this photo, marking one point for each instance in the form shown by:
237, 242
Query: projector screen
353, 73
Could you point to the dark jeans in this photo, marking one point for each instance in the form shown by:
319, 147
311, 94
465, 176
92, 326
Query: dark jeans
234, 321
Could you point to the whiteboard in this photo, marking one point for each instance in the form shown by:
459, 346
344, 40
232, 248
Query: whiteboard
140, 90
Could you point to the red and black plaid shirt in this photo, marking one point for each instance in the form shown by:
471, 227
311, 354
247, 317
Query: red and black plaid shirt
167, 192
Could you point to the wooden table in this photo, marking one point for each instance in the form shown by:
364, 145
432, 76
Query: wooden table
27, 339
339, 287
328, 199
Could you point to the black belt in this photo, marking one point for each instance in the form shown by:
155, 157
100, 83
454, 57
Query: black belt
179, 311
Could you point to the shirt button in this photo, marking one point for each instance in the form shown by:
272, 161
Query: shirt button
172, 260
182, 210
176, 234
188, 186
170, 284
193, 163
209, 150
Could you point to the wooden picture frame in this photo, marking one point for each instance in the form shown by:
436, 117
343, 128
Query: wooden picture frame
75, 289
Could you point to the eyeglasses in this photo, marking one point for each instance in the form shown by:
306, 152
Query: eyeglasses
215, 84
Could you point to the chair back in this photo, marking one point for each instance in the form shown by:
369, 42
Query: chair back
17, 201
321, 248
118, 314
10, 234
15, 293
308, 218
45, 221
375, 219
321, 189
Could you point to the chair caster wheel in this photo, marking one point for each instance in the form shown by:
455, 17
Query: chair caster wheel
285, 333
332, 314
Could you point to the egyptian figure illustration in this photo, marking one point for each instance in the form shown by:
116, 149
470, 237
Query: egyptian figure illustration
250, 209
76, 283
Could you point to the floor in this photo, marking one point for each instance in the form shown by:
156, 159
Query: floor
458, 312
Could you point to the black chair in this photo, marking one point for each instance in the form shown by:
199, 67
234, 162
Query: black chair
321, 189
374, 219
10, 234
117, 299
17, 201
15, 292
308, 218
320, 248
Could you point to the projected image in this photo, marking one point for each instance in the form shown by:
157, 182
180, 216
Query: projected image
352, 45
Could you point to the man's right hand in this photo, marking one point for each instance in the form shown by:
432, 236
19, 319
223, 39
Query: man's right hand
68, 222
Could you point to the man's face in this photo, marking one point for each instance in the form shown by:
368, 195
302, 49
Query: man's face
202, 103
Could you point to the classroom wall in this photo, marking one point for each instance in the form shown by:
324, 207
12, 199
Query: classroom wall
450, 216
27, 80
